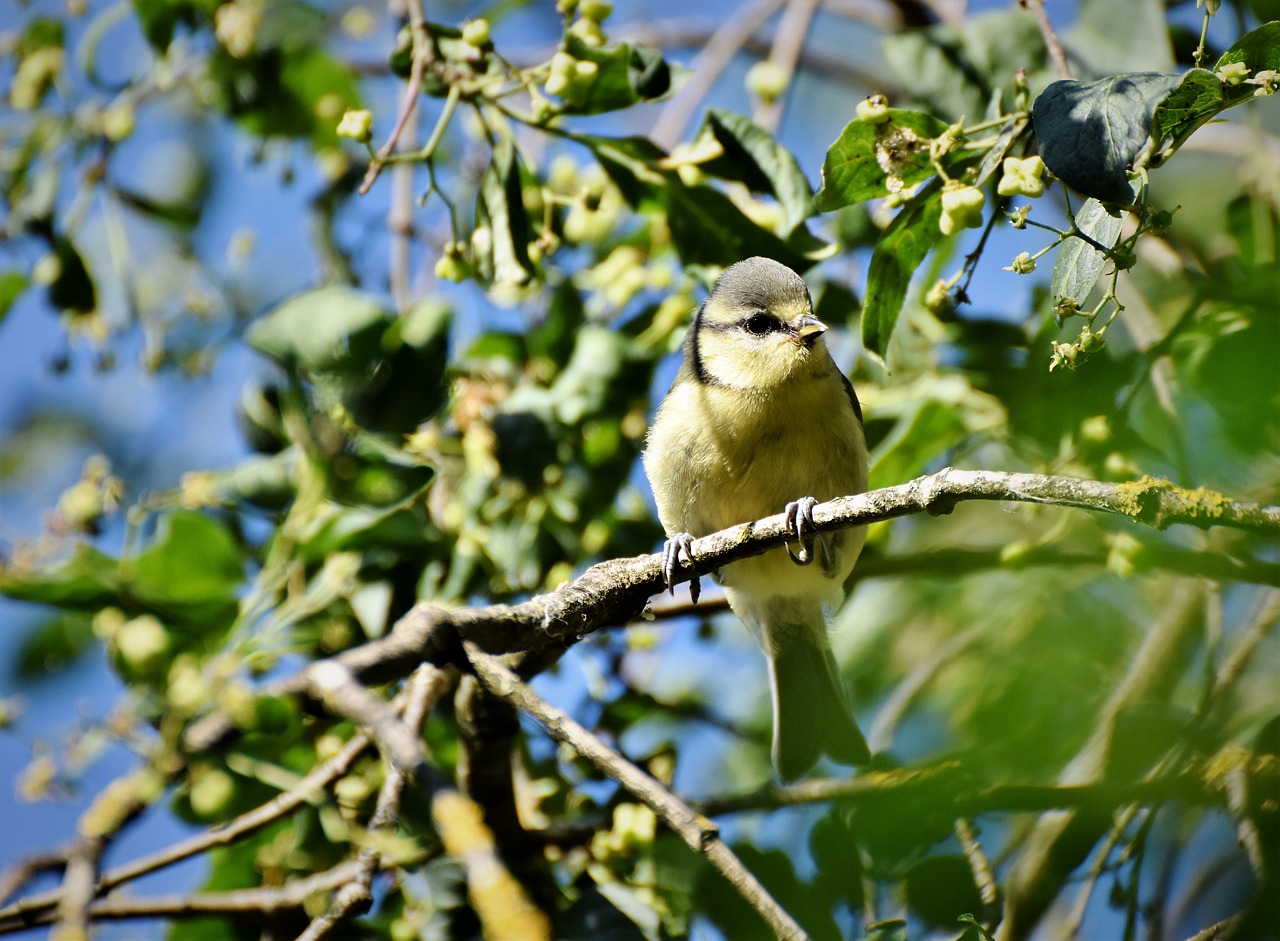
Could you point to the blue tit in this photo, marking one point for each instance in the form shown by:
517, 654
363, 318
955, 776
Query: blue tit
760, 419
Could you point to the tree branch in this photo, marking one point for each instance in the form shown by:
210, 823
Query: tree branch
615, 592
696, 830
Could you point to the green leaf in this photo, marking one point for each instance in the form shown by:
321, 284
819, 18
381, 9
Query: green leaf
191, 571
924, 429
88, 580
1008, 136
628, 74
1089, 133
1187, 107
1078, 265
501, 208
319, 330
706, 227
53, 646
897, 255
12, 284
940, 889
870, 160
753, 157
1259, 49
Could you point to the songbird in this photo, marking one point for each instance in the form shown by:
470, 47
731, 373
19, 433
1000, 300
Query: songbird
760, 419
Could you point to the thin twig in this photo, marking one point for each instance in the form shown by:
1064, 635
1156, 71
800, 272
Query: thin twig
697, 831
983, 876
503, 906
1051, 40
421, 53
615, 592
427, 685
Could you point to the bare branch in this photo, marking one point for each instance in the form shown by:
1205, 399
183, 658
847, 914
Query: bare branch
420, 55
698, 832
615, 592
1051, 40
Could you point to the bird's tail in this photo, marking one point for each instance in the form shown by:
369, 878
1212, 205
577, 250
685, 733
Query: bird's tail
810, 714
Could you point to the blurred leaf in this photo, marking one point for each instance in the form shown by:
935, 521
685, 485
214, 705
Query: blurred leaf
753, 157
599, 916
726, 908
53, 646
904, 245
1079, 264
1254, 224
407, 385
87, 581
940, 889
1089, 133
501, 208
929, 430
159, 18
12, 284
871, 160
706, 227
319, 330
290, 90
1106, 41
73, 289
955, 67
192, 570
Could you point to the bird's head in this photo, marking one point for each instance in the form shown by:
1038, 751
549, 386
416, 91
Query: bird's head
757, 329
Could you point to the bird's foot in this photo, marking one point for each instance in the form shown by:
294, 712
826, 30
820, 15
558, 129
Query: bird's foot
799, 514
677, 551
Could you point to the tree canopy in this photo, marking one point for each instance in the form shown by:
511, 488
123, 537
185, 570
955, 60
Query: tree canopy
329, 338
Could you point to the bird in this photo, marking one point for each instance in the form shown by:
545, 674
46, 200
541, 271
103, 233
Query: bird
760, 419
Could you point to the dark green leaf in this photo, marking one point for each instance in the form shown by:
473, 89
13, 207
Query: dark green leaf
926, 429
72, 290
501, 208
12, 284
407, 384
53, 646
870, 160
1191, 104
1259, 49
317, 331
159, 18
897, 255
1089, 133
753, 157
940, 889
628, 74
1078, 265
706, 227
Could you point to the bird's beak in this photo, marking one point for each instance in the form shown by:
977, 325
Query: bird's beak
809, 329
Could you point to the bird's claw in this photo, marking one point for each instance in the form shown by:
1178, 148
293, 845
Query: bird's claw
676, 551
799, 515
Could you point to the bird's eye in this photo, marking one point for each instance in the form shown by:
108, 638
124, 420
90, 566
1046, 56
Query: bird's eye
761, 324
